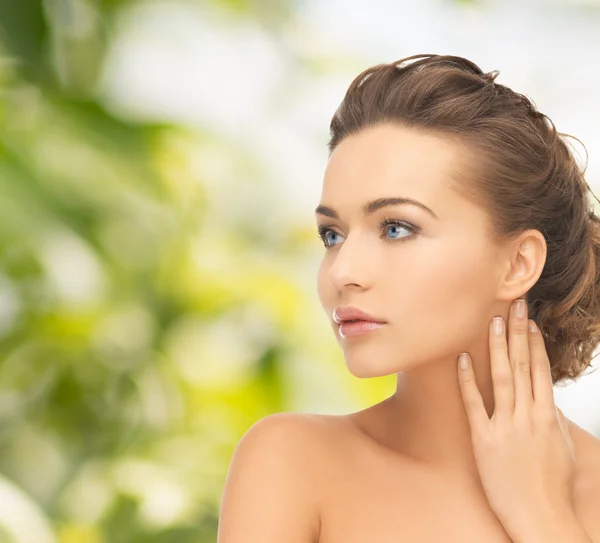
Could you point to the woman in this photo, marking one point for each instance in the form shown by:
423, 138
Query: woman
448, 200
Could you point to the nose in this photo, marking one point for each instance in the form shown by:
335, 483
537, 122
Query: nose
351, 265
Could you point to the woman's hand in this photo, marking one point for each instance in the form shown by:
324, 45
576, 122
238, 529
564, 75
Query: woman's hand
524, 454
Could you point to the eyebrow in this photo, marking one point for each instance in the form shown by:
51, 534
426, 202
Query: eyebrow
371, 207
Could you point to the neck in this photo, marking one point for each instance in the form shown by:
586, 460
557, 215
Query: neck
425, 419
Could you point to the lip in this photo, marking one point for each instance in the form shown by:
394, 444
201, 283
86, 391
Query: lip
347, 313
352, 329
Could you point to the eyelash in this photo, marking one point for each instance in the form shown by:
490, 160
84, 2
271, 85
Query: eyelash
383, 224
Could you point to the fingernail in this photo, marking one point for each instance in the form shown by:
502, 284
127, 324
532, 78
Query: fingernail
520, 308
532, 327
498, 325
464, 361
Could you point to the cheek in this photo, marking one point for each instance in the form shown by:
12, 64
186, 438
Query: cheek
440, 305
436, 279
453, 299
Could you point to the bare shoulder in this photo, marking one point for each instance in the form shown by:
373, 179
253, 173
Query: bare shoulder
587, 484
296, 434
272, 488
587, 449
296, 421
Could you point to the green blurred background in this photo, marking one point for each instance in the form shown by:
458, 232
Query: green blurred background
158, 255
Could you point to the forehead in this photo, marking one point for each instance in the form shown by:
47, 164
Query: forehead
389, 160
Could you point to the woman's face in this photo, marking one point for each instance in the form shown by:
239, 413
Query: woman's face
435, 287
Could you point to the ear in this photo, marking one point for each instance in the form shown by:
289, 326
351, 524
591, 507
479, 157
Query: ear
524, 261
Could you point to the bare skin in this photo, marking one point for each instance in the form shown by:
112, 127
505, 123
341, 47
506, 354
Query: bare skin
370, 492
403, 469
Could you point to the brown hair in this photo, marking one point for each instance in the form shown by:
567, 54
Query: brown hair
525, 176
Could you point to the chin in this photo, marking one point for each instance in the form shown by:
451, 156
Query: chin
363, 369
366, 373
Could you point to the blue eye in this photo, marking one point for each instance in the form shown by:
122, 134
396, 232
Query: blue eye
324, 237
386, 225
393, 225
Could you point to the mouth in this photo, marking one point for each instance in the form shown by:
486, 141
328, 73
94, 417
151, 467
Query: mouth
348, 321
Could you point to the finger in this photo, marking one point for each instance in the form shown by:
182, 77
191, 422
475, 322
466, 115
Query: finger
518, 354
502, 378
471, 396
541, 375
